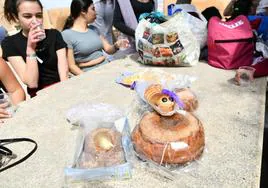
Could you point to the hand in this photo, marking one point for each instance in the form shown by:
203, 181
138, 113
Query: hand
3, 112
34, 35
122, 43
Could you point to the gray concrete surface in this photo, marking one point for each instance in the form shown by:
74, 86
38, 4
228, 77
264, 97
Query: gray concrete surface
233, 119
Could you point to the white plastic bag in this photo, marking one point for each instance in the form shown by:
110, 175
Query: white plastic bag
171, 43
262, 47
198, 26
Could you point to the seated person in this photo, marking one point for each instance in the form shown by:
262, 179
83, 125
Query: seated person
84, 43
9, 84
37, 55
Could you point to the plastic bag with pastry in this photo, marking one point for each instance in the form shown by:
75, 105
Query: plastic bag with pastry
188, 97
168, 96
172, 140
156, 75
161, 99
169, 142
102, 147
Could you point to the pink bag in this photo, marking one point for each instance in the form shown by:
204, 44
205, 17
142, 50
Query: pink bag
230, 44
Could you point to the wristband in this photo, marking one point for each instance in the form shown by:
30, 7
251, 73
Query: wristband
35, 57
32, 56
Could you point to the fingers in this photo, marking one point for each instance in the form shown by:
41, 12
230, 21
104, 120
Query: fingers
4, 105
34, 36
123, 43
4, 113
34, 26
35, 33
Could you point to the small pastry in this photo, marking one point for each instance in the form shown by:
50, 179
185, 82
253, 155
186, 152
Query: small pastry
153, 94
103, 141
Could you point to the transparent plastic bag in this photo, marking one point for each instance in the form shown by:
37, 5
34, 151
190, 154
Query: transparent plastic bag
161, 99
166, 143
81, 113
188, 98
197, 25
171, 43
104, 149
157, 75
168, 96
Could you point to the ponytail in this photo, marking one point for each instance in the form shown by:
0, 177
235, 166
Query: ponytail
10, 10
77, 6
68, 23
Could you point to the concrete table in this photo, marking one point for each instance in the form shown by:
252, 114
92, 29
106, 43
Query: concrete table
233, 119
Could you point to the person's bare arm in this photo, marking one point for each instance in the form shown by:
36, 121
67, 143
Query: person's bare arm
111, 49
62, 64
107, 47
11, 83
74, 69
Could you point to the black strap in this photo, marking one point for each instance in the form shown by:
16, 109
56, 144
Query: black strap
7, 152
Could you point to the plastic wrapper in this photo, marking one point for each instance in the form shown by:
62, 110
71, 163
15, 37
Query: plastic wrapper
104, 148
188, 98
168, 96
171, 43
155, 75
166, 138
263, 48
173, 140
161, 99
167, 144
197, 25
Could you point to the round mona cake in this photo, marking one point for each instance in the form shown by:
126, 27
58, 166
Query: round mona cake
175, 139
